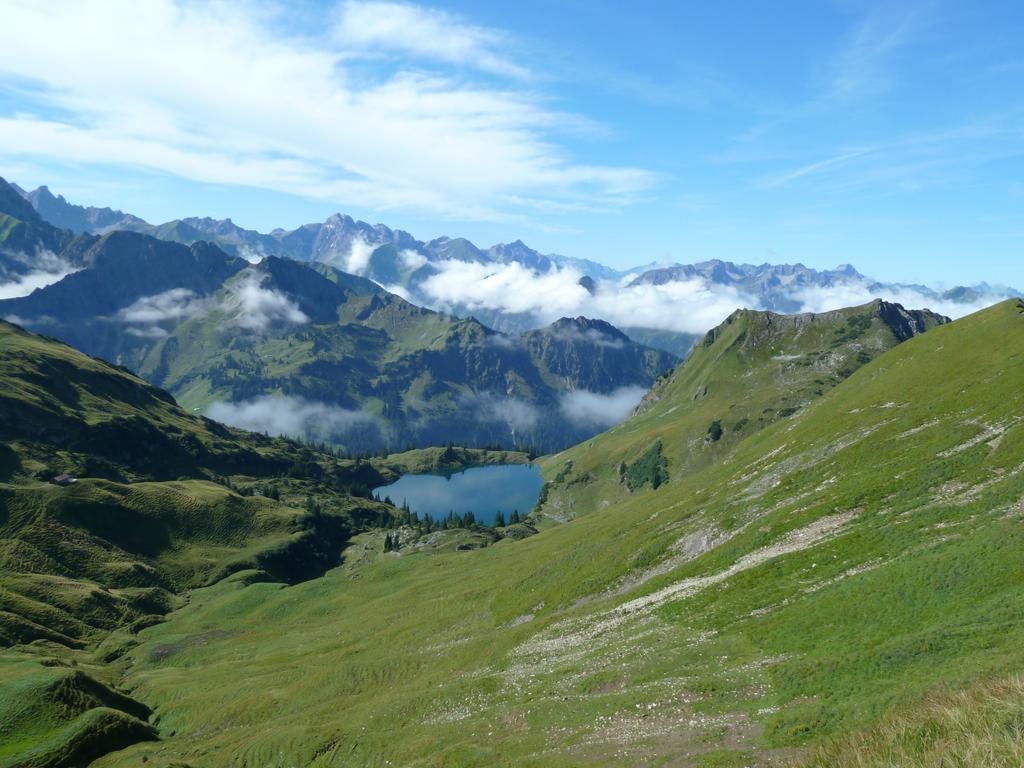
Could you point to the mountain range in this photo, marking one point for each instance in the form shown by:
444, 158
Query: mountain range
305, 349
512, 287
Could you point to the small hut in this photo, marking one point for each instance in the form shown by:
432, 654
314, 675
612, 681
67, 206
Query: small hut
64, 480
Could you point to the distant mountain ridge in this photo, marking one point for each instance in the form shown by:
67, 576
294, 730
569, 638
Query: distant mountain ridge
303, 348
425, 272
79, 219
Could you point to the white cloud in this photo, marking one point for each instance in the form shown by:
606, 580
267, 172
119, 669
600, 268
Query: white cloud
358, 257
175, 304
247, 302
855, 293
292, 416
412, 260
250, 254
218, 93
398, 290
256, 308
593, 408
507, 287
148, 332
690, 306
423, 32
45, 269
487, 407
23, 285
684, 306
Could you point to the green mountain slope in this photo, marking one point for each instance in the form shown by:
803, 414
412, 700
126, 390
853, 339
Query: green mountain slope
843, 561
163, 502
751, 371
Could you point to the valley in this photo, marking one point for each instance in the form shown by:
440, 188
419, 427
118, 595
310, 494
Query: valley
749, 596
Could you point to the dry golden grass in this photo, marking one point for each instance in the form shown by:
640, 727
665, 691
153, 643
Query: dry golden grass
980, 727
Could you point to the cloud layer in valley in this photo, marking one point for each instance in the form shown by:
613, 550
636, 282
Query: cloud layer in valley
247, 303
291, 416
595, 409
691, 305
855, 293
44, 269
147, 314
519, 415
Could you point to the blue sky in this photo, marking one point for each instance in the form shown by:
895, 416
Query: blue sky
886, 135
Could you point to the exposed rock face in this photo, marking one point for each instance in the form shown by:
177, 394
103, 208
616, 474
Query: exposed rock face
907, 323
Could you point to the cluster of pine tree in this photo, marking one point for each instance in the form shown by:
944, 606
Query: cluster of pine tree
500, 522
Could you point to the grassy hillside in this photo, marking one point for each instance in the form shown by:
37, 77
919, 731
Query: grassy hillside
753, 370
163, 502
850, 559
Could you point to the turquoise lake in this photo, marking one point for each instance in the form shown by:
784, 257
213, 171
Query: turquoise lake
484, 491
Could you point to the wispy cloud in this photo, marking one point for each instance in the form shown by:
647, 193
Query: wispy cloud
809, 131
810, 169
424, 32
861, 67
217, 93
517, 415
909, 161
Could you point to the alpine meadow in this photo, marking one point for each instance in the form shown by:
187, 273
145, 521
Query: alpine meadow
724, 469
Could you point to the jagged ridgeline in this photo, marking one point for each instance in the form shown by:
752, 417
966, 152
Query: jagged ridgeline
307, 350
397, 259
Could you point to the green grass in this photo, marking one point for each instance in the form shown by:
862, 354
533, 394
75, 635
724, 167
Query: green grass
85, 567
532, 652
750, 372
830, 568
